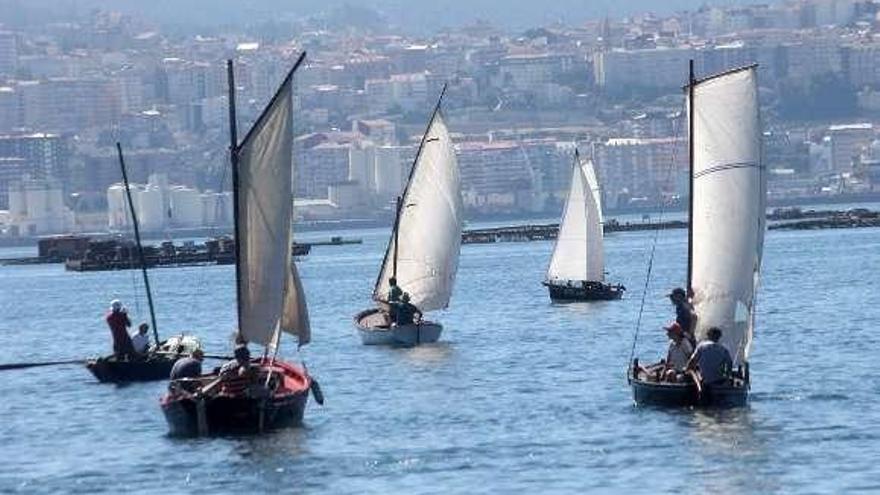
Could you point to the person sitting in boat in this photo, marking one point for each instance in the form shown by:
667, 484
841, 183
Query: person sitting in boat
684, 313
139, 340
237, 375
394, 291
240, 364
678, 354
188, 367
407, 313
712, 359
118, 321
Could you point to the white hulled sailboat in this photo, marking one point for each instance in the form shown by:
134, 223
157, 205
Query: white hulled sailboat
422, 254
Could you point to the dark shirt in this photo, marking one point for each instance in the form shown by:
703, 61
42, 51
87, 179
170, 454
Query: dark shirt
394, 293
188, 367
714, 361
684, 315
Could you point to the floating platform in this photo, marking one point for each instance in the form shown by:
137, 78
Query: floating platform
544, 232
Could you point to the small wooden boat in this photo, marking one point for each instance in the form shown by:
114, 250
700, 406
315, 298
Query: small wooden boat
577, 266
422, 254
650, 390
270, 393
239, 408
154, 365
727, 221
375, 328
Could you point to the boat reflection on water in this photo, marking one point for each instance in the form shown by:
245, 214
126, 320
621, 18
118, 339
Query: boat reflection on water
725, 441
429, 354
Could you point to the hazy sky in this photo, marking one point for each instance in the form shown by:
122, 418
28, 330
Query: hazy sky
410, 15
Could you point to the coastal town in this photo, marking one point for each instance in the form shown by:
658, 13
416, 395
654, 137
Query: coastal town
518, 105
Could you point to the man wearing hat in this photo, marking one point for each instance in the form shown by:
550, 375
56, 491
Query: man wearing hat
684, 313
678, 353
118, 321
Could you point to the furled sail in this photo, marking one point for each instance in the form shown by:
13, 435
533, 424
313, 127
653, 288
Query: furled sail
270, 293
578, 253
729, 189
429, 228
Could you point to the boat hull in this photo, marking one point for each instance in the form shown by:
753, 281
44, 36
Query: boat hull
156, 365
243, 413
579, 291
374, 329
650, 392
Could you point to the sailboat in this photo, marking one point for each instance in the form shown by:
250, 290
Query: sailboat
422, 254
270, 298
577, 266
726, 237
156, 363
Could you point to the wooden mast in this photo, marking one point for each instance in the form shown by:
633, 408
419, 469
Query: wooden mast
233, 158
692, 81
140, 248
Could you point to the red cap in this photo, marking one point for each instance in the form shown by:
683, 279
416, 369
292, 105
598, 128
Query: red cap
673, 327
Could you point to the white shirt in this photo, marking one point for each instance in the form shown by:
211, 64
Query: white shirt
679, 354
140, 342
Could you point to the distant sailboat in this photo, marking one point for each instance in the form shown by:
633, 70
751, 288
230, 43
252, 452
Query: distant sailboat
727, 217
269, 293
422, 253
156, 363
577, 266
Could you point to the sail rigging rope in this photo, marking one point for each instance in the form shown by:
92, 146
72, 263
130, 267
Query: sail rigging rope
650, 268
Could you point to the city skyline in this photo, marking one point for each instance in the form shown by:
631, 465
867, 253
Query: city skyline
519, 103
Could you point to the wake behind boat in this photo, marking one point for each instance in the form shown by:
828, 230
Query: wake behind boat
577, 266
256, 395
725, 244
421, 259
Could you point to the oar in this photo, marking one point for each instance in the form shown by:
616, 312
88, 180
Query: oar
217, 356
18, 366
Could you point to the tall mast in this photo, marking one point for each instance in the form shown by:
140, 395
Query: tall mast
233, 157
137, 237
402, 198
692, 81
396, 236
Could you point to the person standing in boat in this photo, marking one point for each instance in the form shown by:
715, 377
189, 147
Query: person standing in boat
678, 354
685, 315
118, 321
394, 292
712, 359
140, 341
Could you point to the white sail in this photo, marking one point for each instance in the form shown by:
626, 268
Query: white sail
430, 225
270, 292
729, 190
578, 253
595, 222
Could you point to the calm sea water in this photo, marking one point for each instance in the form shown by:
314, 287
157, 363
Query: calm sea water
520, 395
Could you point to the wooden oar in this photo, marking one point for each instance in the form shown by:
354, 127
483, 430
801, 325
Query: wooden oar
18, 366
217, 356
